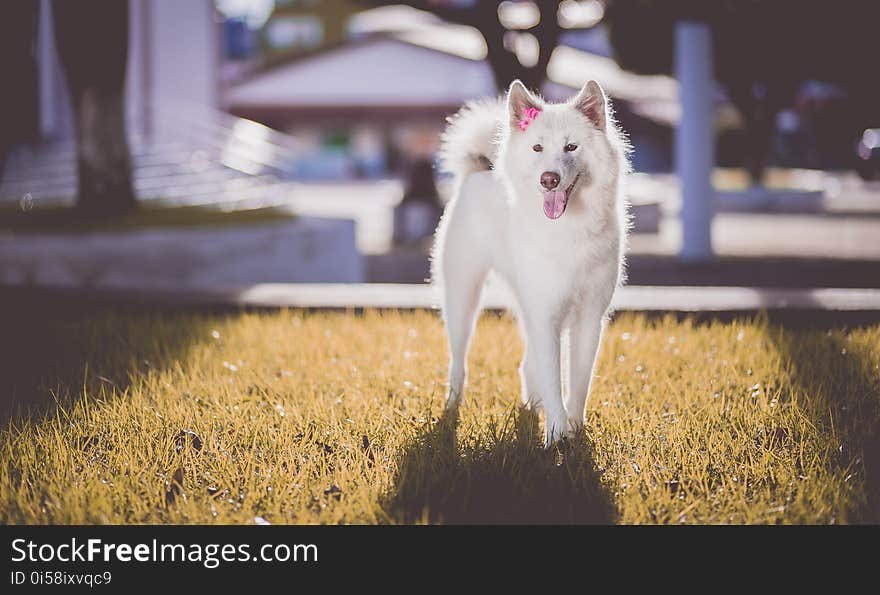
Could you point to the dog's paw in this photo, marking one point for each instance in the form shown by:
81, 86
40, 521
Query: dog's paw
532, 402
453, 399
553, 434
575, 428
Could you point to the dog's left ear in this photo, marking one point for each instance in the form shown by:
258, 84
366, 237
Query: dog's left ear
591, 102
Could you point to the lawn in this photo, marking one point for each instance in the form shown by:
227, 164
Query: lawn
298, 417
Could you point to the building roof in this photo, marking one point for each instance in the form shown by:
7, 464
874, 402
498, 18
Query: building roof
378, 73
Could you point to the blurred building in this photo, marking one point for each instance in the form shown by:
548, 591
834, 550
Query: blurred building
363, 108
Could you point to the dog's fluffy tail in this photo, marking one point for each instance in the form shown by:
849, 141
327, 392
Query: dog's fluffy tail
470, 142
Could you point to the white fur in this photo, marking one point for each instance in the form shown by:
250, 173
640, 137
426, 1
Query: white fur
562, 272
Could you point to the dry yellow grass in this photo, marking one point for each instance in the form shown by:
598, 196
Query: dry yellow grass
332, 418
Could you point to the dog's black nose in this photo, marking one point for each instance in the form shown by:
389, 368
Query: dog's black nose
549, 180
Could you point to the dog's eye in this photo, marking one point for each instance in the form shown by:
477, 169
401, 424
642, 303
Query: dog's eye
570, 147
537, 148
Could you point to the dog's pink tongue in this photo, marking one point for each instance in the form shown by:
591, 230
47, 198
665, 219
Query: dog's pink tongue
554, 203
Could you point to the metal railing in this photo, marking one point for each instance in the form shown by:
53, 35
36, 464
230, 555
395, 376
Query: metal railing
193, 155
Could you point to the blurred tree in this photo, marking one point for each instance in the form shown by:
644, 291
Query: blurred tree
19, 118
501, 56
763, 51
92, 42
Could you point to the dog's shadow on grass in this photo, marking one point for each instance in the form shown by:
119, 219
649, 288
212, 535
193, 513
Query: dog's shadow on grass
501, 476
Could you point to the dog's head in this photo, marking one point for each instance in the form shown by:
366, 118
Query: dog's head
554, 151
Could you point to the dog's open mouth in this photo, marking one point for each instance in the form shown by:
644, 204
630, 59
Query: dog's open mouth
555, 201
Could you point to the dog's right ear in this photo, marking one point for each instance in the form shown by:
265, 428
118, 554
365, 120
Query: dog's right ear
518, 101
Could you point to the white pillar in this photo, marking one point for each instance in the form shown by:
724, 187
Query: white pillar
184, 49
48, 91
695, 137
137, 77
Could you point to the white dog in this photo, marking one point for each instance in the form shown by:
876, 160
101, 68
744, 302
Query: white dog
539, 201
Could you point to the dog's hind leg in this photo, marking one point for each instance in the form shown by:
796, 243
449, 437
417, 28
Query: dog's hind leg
463, 275
531, 401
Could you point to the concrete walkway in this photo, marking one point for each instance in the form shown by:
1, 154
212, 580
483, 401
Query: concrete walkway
345, 296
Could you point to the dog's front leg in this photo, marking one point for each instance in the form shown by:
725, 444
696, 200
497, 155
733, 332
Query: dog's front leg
541, 373
585, 333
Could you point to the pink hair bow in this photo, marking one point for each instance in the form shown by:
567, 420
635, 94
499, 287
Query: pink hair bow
528, 116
